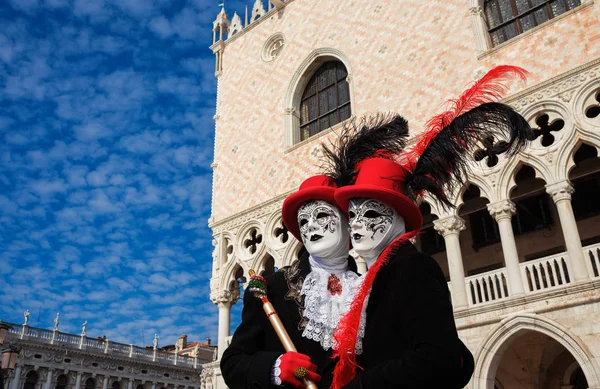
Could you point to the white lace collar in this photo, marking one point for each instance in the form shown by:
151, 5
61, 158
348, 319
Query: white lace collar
324, 308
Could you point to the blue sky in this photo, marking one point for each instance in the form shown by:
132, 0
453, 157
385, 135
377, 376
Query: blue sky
106, 137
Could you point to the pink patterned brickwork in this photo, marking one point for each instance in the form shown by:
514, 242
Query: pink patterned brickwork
406, 56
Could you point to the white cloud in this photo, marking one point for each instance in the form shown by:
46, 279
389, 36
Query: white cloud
48, 187
161, 26
100, 203
91, 131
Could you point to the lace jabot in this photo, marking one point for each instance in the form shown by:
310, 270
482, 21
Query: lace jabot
324, 305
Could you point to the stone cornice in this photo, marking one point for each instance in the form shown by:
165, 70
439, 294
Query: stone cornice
260, 210
557, 85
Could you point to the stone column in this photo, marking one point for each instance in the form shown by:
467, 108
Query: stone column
48, 384
450, 229
482, 37
561, 195
224, 300
130, 384
105, 382
78, 381
16, 381
503, 211
291, 121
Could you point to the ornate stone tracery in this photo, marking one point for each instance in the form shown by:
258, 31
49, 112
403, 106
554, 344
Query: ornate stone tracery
273, 47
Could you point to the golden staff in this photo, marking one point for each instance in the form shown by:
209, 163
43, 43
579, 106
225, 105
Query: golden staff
258, 287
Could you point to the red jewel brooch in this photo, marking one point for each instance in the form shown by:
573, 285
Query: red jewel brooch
333, 285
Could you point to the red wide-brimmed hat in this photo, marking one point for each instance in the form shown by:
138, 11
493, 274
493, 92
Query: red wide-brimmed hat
318, 187
380, 179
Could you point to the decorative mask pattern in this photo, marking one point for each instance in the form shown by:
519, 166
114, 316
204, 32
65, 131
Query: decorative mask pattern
323, 230
375, 216
319, 212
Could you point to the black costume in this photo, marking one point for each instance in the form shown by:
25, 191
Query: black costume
410, 339
247, 362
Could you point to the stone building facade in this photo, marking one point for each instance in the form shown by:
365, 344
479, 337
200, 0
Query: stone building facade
50, 359
520, 250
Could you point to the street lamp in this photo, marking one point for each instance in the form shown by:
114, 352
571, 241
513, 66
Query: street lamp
9, 357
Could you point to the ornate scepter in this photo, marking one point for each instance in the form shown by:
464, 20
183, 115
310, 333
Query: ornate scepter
258, 287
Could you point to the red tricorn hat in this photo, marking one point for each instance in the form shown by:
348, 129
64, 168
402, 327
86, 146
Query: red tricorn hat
380, 179
314, 188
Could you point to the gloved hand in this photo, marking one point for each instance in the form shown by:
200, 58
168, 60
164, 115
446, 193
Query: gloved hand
289, 362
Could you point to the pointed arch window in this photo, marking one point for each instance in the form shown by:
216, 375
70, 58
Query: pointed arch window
326, 99
508, 18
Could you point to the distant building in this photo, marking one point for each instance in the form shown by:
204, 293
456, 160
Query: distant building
50, 359
203, 350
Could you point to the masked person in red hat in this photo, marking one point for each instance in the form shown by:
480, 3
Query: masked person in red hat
400, 330
306, 295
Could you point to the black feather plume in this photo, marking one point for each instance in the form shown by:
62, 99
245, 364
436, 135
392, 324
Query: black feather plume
444, 163
381, 135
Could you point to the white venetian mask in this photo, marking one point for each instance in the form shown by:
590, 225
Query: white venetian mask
324, 229
373, 226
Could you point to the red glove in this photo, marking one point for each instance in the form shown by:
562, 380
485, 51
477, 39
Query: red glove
290, 361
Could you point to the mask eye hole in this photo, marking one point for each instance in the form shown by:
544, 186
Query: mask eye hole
371, 214
303, 222
322, 215
351, 214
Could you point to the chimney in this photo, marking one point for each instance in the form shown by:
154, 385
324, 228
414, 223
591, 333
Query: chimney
182, 342
207, 341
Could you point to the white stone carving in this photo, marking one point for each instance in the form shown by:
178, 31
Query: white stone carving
450, 225
225, 297
273, 47
258, 10
236, 25
502, 210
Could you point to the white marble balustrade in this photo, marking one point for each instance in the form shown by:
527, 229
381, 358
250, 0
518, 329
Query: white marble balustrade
105, 346
543, 274
487, 287
546, 273
592, 255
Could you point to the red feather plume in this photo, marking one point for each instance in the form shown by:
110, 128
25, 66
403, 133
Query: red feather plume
347, 331
490, 88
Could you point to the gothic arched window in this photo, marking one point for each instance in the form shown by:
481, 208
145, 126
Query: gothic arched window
326, 99
508, 18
